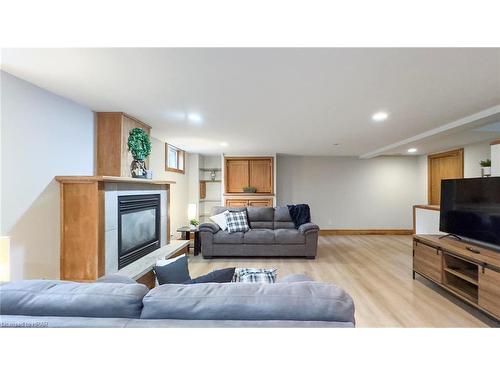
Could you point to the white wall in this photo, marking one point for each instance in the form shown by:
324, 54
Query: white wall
495, 160
43, 135
179, 197
351, 193
473, 154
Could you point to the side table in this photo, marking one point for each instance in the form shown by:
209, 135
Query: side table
186, 235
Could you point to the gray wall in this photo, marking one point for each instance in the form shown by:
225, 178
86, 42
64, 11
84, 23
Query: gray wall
351, 193
43, 135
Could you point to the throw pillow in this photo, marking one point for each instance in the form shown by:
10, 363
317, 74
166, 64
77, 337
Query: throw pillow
224, 275
220, 220
175, 272
236, 221
255, 275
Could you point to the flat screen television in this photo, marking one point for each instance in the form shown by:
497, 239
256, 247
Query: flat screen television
470, 208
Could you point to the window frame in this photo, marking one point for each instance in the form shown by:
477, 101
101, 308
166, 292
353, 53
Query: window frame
181, 160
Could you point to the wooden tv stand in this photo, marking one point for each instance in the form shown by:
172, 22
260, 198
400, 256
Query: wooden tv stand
468, 271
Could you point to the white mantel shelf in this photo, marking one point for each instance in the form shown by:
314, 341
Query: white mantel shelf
76, 179
142, 266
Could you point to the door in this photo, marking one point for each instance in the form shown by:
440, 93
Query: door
236, 202
446, 165
261, 175
260, 202
489, 290
236, 175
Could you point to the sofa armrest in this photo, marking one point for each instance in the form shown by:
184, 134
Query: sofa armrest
308, 227
209, 227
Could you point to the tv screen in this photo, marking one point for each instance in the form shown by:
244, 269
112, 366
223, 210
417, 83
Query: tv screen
470, 208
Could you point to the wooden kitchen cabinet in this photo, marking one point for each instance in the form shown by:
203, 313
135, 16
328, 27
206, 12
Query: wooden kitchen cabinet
249, 202
241, 172
113, 156
261, 175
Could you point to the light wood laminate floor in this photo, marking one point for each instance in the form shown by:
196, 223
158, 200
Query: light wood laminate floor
376, 272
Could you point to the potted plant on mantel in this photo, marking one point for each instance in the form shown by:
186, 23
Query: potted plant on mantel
139, 146
486, 167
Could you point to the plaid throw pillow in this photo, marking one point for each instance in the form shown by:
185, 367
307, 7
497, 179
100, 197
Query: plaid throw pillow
255, 275
236, 221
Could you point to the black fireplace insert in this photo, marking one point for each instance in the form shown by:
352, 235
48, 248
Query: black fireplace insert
138, 227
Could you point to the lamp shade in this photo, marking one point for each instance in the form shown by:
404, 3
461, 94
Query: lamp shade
4, 259
191, 211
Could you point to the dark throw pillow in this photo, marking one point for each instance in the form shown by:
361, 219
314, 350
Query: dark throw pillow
173, 273
224, 275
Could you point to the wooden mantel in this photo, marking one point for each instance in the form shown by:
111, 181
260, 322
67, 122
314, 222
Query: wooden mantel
82, 255
76, 179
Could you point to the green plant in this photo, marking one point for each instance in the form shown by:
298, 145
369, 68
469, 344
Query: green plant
485, 163
139, 144
194, 222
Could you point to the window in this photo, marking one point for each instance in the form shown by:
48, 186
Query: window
174, 159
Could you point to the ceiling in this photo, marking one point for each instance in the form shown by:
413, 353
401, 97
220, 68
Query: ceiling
274, 100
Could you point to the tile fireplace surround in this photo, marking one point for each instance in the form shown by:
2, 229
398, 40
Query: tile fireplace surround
111, 193
89, 221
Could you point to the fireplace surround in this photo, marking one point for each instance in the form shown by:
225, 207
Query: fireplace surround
138, 227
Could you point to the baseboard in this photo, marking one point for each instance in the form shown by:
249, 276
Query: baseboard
345, 232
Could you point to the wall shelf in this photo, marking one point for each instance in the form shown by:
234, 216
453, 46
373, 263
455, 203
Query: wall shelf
210, 180
211, 169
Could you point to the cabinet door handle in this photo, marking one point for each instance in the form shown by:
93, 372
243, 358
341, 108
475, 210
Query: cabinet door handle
472, 250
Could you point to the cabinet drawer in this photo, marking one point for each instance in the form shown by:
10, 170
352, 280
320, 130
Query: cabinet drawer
489, 290
427, 261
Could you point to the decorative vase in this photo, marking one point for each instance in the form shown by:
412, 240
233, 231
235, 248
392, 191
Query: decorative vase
486, 171
138, 169
213, 175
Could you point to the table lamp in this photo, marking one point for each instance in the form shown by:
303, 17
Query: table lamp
4, 259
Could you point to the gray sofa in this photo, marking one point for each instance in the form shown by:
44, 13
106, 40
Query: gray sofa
294, 302
272, 233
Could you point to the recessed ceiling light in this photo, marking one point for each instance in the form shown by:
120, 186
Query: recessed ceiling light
224, 144
336, 144
380, 116
194, 117
412, 150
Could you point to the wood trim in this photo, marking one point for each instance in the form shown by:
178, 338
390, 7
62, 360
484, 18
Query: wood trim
496, 142
457, 152
168, 216
87, 179
180, 152
126, 115
248, 195
349, 232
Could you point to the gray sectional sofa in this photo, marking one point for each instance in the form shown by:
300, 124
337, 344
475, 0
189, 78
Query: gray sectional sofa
296, 301
272, 233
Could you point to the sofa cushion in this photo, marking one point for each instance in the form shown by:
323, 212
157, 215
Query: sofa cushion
66, 298
223, 236
259, 236
220, 209
309, 301
282, 218
288, 236
260, 217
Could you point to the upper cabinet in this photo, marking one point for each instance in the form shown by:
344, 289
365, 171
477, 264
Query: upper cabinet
113, 157
256, 172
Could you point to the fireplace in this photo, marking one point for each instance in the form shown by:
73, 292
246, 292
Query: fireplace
138, 227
